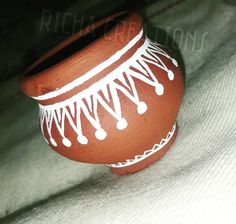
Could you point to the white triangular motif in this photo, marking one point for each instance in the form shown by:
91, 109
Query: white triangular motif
155, 57
158, 63
49, 118
138, 66
58, 113
151, 56
106, 93
162, 141
123, 81
115, 99
105, 105
72, 109
148, 79
89, 102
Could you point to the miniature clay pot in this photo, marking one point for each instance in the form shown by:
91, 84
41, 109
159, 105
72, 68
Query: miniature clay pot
108, 95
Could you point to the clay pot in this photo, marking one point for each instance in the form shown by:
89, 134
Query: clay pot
108, 95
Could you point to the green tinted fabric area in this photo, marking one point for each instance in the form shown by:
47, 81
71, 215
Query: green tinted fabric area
194, 182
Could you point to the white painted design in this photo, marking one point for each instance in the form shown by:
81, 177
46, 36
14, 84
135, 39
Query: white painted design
80, 80
147, 153
105, 93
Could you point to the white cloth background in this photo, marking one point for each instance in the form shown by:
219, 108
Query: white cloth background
195, 182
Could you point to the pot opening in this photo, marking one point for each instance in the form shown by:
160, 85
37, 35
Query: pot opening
77, 45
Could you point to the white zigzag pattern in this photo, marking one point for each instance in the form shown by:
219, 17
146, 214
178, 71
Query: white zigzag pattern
147, 153
87, 101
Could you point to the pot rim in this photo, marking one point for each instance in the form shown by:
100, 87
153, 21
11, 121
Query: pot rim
64, 71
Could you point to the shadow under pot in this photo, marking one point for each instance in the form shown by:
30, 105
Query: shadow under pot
108, 95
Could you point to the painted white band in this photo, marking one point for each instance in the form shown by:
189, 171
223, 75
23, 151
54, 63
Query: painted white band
95, 87
83, 78
147, 153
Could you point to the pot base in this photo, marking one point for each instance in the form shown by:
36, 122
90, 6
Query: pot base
143, 163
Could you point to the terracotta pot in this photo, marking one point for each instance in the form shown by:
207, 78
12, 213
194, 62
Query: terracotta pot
108, 95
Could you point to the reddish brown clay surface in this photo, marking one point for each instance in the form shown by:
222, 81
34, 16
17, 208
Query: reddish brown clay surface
144, 163
113, 99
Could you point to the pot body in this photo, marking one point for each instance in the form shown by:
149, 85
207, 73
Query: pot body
114, 102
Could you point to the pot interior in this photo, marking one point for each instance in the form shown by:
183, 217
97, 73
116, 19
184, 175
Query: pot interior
77, 45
